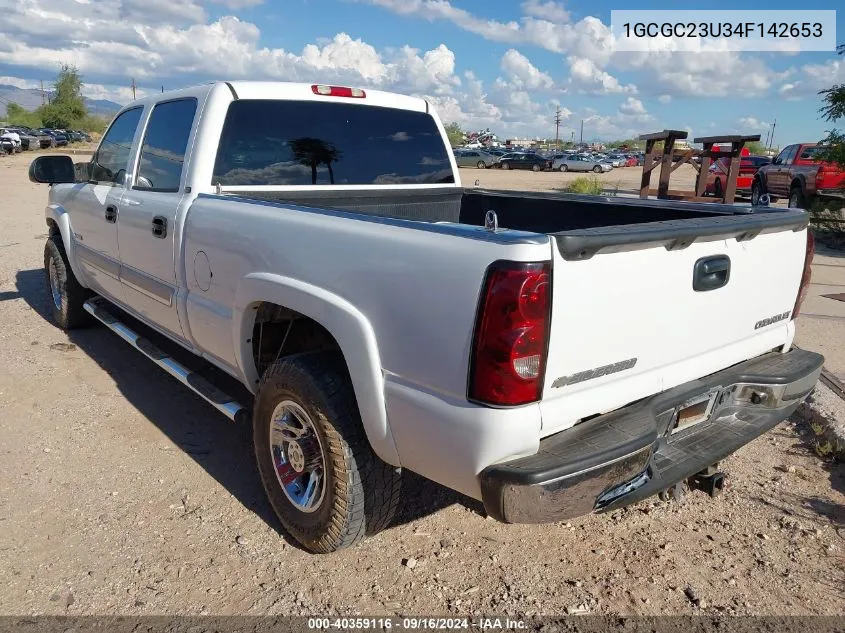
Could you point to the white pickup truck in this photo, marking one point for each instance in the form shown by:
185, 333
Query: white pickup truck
551, 355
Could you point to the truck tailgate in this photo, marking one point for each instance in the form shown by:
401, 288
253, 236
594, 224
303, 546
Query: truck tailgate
627, 321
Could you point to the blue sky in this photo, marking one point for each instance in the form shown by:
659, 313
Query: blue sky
505, 64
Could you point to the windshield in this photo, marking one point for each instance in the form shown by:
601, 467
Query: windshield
272, 142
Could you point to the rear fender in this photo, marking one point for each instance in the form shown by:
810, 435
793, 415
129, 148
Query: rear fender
344, 322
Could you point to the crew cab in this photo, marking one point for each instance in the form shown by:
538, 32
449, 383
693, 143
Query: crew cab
552, 355
797, 173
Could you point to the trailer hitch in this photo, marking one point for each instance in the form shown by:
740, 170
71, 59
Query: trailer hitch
710, 481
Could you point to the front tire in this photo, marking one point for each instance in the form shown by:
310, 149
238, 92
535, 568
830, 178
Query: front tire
597, 169
321, 477
481, 165
64, 292
564, 168
535, 168
504, 165
717, 188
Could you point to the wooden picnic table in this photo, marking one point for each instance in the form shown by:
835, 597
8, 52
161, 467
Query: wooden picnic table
710, 151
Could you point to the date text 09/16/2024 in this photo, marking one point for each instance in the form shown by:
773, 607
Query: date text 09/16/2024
415, 624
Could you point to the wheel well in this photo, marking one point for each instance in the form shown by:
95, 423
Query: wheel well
279, 331
797, 182
53, 228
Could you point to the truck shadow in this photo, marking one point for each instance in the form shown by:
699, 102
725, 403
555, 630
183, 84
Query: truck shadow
223, 449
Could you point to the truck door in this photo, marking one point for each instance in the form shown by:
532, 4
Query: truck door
778, 181
93, 205
147, 229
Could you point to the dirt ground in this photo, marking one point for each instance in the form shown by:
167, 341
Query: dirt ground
122, 493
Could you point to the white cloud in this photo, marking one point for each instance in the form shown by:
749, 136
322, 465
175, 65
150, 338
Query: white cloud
753, 123
632, 106
522, 73
551, 11
585, 76
18, 82
710, 71
814, 77
164, 11
664, 98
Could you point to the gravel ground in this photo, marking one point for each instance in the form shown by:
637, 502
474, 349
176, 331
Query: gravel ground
122, 493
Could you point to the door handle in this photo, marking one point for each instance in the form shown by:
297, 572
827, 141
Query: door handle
160, 226
111, 213
710, 273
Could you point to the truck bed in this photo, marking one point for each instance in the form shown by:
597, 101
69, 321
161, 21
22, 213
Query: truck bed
582, 225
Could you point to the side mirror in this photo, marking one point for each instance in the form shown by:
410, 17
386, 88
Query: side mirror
52, 170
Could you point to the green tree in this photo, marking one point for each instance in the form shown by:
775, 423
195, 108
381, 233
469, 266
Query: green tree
455, 134
833, 110
18, 115
67, 107
755, 147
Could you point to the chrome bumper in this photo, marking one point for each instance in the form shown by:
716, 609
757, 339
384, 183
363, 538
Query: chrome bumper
632, 453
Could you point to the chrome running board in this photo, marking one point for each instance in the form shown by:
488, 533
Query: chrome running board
221, 401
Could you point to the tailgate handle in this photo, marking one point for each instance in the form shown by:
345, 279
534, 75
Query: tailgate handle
710, 273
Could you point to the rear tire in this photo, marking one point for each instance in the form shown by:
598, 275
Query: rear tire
796, 198
504, 165
717, 188
359, 493
64, 292
535, 168
563, 168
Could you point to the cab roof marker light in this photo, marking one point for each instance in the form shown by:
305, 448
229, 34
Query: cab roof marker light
338, 91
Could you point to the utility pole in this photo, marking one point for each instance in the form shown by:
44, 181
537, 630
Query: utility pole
557, 127
581, 142
162, 89
772, 139
133, 89
43, 96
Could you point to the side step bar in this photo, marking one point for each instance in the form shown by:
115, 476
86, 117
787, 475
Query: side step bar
196, 383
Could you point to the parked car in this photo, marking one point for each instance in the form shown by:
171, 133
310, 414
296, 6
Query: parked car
28, 141
525, 161
10, 142
44, 140
578, 162
59, 139
632, 161
717, 178
798, 173
616, 160
254, 229
475, 158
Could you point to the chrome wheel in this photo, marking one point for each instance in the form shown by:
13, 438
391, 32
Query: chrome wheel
297, 456
54, 284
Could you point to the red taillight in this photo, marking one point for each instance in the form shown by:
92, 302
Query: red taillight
511, 334
338, 91
805, 276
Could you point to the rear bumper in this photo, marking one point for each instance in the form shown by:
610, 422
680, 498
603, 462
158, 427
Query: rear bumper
630, 454
831, 193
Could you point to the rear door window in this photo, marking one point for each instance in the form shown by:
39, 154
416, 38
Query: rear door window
273, 142
165, 143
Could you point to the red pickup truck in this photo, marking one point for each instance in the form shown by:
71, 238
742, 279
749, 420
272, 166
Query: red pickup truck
717, 177
799, 174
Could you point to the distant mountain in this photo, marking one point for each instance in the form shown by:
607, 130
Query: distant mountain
30, 98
